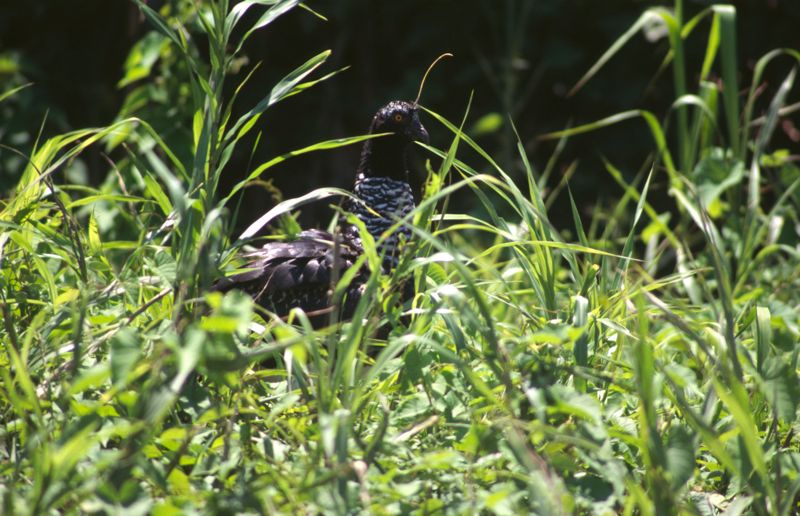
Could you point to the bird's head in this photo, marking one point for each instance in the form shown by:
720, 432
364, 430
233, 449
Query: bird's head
402, 119
387, 156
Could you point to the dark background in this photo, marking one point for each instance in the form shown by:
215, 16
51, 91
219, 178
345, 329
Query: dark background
518, 57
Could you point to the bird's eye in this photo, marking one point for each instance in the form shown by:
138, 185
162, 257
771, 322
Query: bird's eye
398, 117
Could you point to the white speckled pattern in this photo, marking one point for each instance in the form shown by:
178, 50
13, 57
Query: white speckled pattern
384, 200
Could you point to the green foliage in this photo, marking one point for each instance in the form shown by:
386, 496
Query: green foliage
647, 364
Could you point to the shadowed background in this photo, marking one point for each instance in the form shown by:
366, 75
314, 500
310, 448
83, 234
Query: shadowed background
518, 57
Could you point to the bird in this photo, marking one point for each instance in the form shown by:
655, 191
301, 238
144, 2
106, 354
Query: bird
292, 274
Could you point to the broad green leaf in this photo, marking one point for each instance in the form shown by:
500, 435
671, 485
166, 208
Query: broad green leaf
126, 349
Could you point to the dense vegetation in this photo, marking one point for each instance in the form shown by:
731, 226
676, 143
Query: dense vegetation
643, 361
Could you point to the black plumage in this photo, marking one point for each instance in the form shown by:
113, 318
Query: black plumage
298, 273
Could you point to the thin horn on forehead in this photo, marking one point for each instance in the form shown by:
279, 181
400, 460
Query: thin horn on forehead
422, 83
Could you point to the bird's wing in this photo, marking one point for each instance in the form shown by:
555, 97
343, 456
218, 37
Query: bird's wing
283, 275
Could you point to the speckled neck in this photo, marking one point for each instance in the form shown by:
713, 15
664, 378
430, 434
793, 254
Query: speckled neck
383, 201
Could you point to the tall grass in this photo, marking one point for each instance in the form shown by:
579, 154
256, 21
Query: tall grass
646, 365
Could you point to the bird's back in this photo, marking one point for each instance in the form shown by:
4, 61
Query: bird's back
294, 274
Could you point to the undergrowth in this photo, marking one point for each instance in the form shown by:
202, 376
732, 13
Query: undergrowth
645, 363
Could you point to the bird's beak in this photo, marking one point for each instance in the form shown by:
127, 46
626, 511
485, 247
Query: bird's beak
418, 132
